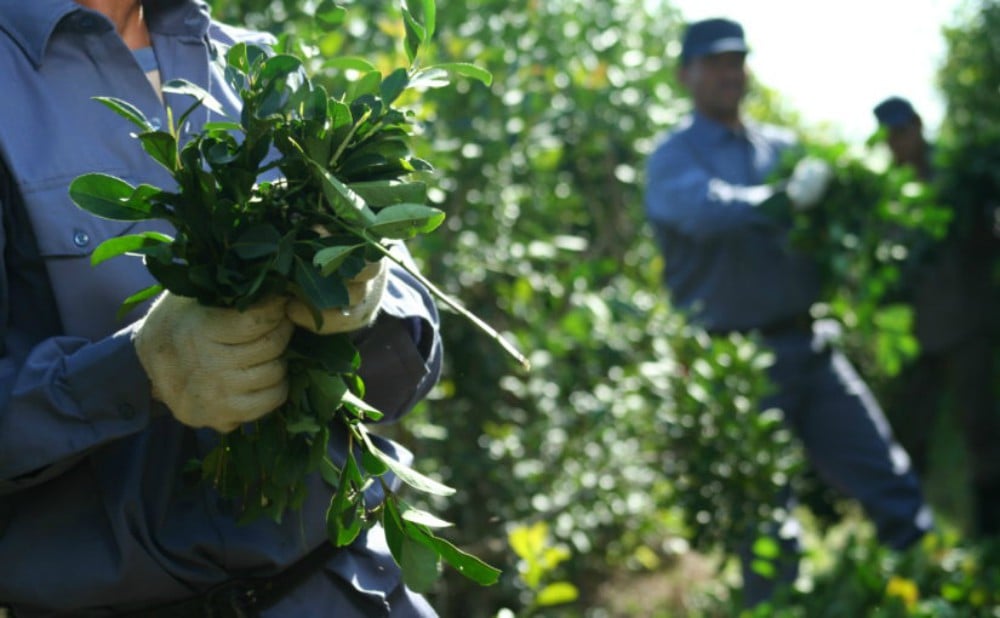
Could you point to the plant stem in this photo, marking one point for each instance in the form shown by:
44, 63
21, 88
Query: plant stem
343, 145
453, 304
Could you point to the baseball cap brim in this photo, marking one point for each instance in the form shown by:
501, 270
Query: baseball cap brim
733, 44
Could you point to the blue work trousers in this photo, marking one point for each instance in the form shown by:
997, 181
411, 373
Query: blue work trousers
848, 441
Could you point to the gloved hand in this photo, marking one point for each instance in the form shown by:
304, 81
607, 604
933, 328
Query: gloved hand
808, 182
365, 291
215, 367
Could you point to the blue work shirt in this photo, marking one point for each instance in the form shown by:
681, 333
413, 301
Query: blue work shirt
94, 513
725, 261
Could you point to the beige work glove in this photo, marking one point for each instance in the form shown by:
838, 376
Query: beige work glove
365, 291
808, 182
215, 367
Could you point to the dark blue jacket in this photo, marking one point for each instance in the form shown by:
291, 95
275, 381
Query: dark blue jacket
725, 261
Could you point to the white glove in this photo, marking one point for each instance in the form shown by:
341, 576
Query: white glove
365, 291
808, 183
215, 367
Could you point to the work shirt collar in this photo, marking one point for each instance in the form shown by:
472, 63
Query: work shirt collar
32, 22
708, 131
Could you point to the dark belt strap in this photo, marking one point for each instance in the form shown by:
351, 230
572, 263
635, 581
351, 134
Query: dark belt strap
800, 323
244, 597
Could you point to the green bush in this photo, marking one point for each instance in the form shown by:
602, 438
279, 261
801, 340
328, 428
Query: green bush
540, 175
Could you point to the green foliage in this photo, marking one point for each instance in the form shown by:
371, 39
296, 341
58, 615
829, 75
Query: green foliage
870, 227
969, 148
545, 178
344, 192
539, 558
728, 460
540, 173
940, 577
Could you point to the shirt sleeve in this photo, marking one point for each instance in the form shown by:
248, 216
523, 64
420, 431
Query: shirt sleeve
685, 197
401, 354
60, 397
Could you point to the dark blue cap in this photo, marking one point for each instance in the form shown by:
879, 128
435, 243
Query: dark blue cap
894, 112
712, 36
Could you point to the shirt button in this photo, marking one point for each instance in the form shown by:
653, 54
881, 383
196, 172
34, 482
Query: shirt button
80, 238
127, 411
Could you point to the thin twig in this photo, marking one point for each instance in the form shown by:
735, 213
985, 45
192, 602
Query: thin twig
454, 304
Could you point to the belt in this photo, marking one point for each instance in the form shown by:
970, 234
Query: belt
241, 598
799, 323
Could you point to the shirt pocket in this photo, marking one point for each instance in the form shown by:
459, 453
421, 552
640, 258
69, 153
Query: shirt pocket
88, 296
62, 229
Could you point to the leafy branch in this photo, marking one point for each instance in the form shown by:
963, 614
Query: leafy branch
294, 198
868, 230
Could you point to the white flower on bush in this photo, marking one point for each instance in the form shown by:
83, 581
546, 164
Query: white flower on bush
808, 182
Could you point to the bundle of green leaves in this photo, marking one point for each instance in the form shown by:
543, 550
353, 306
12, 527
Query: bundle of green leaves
345, 192
871, 225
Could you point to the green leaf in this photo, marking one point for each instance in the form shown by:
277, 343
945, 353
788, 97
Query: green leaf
128, 111
279, 67
283, 259
528, 542
430, 18
237, 57
162, 147
132, 243
354, 63
465, 563
763, 568
410, 476
344, 202
329, 472
405, 221
184, 87
766, 547
317, 448
138, 298
465, 70
372, 464
258, 241
312, 104
332, 353
556, 594
362, 407
222, 125
382, 193
420, 565
108, 197
367, 84
340, 116
430, 77
302, 424
319, 292
343, 521
422, 518
392, 522
328, 260
393, 85
326, 393
415, 34
330, 14
174, 277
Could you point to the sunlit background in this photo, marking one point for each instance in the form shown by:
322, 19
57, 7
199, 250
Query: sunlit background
833, 61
